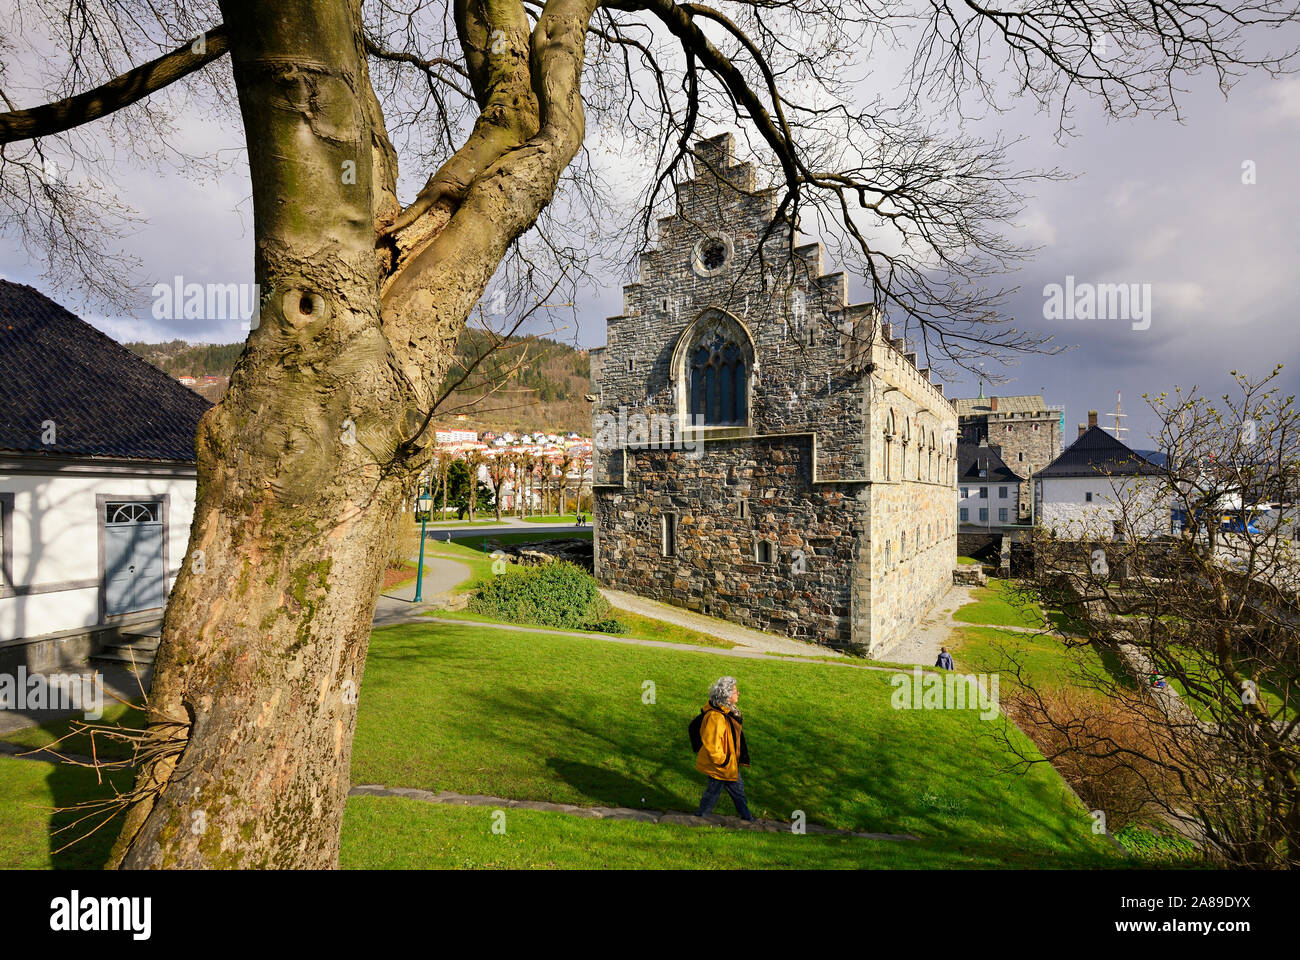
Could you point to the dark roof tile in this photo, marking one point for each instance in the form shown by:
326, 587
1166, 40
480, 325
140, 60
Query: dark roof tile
972, 458
104, 400
1097, 453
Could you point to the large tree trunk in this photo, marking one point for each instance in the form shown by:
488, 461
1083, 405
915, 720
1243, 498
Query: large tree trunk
304, 464
266, 631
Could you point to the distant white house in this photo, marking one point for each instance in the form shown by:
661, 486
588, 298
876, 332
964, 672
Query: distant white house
97, 477
1099, 488
988, 490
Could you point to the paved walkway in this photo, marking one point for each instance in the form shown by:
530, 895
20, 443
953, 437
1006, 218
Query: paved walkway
398, 605
743, 637
610, 813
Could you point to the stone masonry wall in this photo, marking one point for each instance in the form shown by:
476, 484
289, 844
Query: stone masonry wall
1028, 445
803, 592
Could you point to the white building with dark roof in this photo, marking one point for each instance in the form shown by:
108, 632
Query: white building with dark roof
1099, 488
988, 491
97, 483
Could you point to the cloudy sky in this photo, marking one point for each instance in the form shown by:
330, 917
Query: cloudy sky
1151, 202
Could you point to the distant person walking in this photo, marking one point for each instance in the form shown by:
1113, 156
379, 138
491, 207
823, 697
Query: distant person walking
722, 750
945, 659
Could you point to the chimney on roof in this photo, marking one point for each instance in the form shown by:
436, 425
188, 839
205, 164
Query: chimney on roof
984, 441
1083, 428
1092, 418
993, 404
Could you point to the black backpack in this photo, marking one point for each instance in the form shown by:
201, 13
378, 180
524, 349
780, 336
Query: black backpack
693, 728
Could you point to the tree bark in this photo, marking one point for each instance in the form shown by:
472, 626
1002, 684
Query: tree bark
304, 464
265, 634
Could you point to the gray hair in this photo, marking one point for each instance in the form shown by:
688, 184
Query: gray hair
721, 691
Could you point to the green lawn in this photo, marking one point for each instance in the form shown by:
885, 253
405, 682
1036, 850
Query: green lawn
30, 790
554, 518
967, 561
1045, 661
531, 716
382, 833
1281, 700
562, 719
998, 604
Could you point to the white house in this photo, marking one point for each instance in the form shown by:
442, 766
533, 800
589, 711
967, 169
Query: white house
97, 479
988, 490
1098, 488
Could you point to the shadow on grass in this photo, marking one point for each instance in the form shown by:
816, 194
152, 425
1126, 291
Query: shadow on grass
81, 839
829, 746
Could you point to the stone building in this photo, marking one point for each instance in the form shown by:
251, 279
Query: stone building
765, 451
1028, 431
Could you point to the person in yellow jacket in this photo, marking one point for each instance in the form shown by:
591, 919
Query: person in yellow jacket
723, 752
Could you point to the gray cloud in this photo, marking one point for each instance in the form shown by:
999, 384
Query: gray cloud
1154, 202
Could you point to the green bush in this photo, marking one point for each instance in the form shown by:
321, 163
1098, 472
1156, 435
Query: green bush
552, 595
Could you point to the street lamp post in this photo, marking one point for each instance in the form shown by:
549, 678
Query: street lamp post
423, 504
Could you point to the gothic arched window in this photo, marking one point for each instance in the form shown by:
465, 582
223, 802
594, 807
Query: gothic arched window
719, 381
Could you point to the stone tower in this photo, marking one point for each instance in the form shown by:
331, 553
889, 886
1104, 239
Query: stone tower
765, 452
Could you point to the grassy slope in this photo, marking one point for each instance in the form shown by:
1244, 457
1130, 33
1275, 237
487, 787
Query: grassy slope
998, 604
394, 833
1045, 660
562, 719
536, 717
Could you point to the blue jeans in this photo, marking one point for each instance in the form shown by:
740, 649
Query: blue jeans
713, 790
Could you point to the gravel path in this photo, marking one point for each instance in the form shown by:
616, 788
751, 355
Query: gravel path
741, 636
934, 631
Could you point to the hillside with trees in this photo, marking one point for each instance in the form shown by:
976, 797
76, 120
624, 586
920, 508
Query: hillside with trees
525, 384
